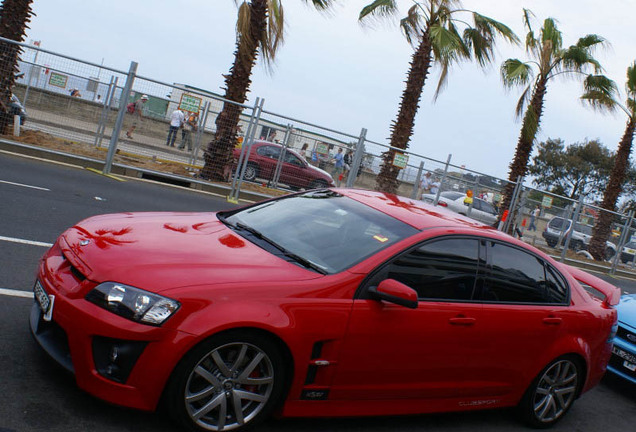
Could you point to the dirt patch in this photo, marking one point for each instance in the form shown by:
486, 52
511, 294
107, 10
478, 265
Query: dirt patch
45, 140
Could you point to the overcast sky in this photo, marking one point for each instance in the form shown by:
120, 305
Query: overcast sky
334, 73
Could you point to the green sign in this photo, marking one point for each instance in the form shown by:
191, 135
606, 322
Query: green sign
547, 201
322, 148
58, 80
190, 103
400, 160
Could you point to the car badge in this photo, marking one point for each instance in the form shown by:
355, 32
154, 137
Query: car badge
631, 337
84, 242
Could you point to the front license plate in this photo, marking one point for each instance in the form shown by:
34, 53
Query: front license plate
630, 358
44, 300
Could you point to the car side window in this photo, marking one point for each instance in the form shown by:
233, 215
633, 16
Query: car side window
444, 269
488, 208
557, 286
269, 152
292, 159
476, 204
514, 276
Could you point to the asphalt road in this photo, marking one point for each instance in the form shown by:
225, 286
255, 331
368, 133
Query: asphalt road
38, 200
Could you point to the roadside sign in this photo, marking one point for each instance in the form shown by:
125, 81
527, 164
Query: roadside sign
322, 148
547, 201
400, 160
58, 80
190, 103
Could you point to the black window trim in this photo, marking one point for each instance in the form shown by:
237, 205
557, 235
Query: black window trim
556, 271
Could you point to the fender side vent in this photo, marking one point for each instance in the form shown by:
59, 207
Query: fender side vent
315, 394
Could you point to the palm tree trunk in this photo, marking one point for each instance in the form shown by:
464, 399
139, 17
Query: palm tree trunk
14, 16
614, 188
218, 155
529, 128
402, 129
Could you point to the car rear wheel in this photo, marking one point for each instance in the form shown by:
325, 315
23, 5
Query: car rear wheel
251, 172
552, 392
229, 382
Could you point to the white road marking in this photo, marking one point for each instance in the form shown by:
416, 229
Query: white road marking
25, 185
28, 242
16, 293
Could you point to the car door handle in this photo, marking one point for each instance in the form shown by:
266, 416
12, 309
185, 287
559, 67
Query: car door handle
462, 321
552, 321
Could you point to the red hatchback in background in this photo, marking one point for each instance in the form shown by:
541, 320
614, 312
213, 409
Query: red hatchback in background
330, 302
295, 171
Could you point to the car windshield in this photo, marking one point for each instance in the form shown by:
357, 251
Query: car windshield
452, 195
585, 229
320, 230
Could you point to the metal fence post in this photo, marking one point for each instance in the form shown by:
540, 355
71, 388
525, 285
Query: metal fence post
281, 157
356, 163
513, 203
439, 189
575, 218
622, 241
248, 133
123, 101
245, 154
418, 179
110, 95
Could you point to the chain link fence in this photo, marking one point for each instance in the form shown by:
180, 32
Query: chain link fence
188, 133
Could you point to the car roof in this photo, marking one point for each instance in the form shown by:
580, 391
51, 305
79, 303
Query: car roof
259, 143
416, 213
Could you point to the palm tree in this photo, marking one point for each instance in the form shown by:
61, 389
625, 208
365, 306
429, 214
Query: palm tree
432, 27
14, 17
617, 178
259, 29
550, 60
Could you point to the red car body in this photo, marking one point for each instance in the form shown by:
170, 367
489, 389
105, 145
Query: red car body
295, 171
379, 357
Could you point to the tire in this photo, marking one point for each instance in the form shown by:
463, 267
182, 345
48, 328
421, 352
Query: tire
231, 381
251, 172
551, 243
318, 184
552, 393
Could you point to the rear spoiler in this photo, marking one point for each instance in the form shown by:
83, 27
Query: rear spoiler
611, 293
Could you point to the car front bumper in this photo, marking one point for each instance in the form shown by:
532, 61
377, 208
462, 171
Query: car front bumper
78, 337
623, 360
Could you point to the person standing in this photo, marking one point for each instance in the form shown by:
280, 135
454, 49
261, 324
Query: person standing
534, 215
135, 109
176, 121
425, 184
189, 127
338, 167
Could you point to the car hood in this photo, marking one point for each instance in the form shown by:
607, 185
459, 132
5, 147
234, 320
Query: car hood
159, 251
627, 310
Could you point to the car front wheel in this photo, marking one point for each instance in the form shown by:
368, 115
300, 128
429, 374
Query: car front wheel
552, 393
229, 382
251, 172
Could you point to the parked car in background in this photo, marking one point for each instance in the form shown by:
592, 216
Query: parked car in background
481, 210
323, 303
558, 228
628, 252
16, 108
296, 172
623, 361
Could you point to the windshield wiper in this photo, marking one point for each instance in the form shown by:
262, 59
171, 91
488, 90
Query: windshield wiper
305, 262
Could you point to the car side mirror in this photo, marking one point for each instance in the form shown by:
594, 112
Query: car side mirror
392, 291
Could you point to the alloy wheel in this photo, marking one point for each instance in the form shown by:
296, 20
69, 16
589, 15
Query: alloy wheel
555, 391
229, 386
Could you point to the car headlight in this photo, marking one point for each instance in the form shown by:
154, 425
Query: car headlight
133, 303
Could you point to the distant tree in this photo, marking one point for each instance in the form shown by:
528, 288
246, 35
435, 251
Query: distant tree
14, 17
432, 27
259, 30
577, 169
620, 170
550, 60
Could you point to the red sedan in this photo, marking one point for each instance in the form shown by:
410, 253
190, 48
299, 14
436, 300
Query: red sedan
330, 302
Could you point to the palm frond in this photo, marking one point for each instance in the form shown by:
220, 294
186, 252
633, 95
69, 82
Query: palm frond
274, 33
523, 101
411, 25
591, 41
600, 93
527, 16
443, 79
514, 72
579, 59
378, 9
630, 84
321, 4
550, 32
243, 22
491, 27
447, 44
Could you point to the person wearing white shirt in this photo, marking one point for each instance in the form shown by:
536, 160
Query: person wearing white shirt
176, 121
